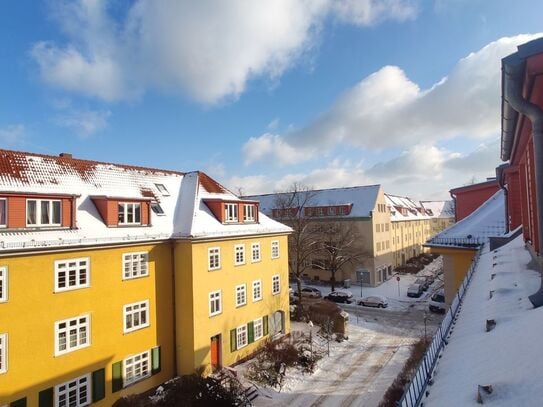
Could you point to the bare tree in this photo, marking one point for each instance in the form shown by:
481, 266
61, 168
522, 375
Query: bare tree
304, 240
340, 244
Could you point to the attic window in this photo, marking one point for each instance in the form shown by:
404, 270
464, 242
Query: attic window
156, 208
230, 212
3, 217
129, 213
162, 189
42, 212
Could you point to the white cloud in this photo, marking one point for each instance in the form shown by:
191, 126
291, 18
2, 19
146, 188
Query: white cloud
386, 109
207, 49
258, 147
12, 134
84, 123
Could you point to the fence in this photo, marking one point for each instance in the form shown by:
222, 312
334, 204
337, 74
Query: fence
417, 387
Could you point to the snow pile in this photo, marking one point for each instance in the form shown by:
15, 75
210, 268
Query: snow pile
508, 357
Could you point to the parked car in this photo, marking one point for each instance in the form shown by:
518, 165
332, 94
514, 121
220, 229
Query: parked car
340, 296
430, 280
374, 301
309, 292
437, 302
414, 290
423, 283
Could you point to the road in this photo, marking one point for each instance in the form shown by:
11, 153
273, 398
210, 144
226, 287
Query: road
359, 371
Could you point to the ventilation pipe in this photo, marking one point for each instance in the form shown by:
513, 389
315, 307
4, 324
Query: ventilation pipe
513, 78
501, 183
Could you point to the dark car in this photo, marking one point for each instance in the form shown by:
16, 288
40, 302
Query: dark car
340, 296
423, 283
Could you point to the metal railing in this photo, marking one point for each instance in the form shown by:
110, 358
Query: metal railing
415, 390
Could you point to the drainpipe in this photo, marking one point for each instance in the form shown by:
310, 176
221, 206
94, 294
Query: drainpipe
513, 84
501, 182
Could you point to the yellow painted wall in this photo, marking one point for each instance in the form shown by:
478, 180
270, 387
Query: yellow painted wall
33, 307
193, 345
456, 263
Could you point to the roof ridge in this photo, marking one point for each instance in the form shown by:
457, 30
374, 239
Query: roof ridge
317, 190
88, 162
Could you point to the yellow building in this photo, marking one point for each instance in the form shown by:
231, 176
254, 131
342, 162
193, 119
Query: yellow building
114, 279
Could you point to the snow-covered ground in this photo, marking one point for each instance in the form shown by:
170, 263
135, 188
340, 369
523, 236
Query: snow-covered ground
509, 357
359, 370
392, 287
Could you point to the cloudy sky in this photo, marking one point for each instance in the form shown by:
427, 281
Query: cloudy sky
260, 94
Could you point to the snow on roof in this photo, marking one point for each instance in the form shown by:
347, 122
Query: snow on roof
508, 358
363, 199
411, 209
179, 195
439, 209
487, 220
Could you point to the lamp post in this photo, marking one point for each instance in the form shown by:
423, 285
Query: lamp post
310, 323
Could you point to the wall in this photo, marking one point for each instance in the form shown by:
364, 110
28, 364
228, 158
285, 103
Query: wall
195, 332
456, 263
471, 197
33, 307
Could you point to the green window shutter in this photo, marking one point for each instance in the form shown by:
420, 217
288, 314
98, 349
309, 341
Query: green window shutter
45, 398
98, 385
233, 345
265, 324
116, 376
155, 360
250, 332
18, 403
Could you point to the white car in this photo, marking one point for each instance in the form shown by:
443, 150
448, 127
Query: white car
374, 301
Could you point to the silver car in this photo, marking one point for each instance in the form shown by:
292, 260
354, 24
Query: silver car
374, 301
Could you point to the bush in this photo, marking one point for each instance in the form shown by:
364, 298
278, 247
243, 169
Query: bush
190, 391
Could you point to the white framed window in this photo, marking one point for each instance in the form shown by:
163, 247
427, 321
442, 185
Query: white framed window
136, 368
3, 353
3, 212
215, 304
241, 336
230, 212
72, 334
248, 213
214, 258
257, 328
255, 252
72, 274
239, 254
241, 295
135, 265
129, 213
276, 284
3, 284
257, 290
43, 212
275, 249
136, 316
76, 392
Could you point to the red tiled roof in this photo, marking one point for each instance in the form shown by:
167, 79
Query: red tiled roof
15, 165
209, 184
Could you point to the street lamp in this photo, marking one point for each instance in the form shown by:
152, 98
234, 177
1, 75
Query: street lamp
310, 323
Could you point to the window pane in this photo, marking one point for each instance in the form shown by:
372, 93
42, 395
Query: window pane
129, 213
56, 212
137, 213
121, 213
31, 212
45, 213
3, 212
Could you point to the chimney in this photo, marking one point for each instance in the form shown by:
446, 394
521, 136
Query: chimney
65, 155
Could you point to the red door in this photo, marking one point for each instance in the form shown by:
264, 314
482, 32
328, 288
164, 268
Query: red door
215, 352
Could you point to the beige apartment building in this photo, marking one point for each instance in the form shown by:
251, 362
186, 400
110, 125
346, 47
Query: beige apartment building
390, 229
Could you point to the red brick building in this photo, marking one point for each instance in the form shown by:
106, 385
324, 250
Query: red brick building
470, 197
522, 144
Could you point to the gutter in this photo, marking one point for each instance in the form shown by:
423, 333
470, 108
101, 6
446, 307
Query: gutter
513, 71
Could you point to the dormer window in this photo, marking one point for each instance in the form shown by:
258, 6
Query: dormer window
248, 213
42, 212
129, 213
230, 212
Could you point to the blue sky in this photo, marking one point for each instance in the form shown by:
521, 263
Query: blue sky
262, 94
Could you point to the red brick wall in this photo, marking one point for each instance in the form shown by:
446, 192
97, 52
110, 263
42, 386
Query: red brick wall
468, 201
